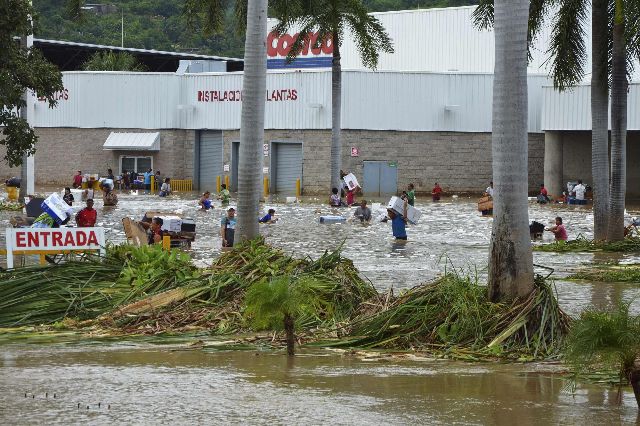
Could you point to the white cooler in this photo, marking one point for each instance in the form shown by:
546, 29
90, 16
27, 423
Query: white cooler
397, 204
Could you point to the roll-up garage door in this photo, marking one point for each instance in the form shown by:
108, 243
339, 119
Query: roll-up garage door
288, 166
210, 159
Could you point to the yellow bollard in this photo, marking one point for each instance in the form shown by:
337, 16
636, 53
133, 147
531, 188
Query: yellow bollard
265, 185
226, 181
12, 193
43, 260
218, 184
166, 243
298, 188
153, 184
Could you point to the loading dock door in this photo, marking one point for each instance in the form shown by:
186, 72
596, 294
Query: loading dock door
210, 159
286, 162
380, 178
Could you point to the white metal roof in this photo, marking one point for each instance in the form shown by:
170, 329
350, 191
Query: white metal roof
133, 142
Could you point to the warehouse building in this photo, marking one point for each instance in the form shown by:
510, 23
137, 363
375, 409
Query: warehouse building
424, 116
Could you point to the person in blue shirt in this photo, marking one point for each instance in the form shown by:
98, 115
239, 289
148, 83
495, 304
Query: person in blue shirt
147, 180
268, 218
228, 228
398, 223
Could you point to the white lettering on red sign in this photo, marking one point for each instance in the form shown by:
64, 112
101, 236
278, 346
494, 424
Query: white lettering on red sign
281, 45
280, 95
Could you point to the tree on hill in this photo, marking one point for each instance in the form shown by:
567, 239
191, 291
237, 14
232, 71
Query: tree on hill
113, 61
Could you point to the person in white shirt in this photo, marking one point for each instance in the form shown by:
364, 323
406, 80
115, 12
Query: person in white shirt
579, 190
166, 188
489, 189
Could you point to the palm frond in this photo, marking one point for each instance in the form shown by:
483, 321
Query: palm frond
483, 15
567, 52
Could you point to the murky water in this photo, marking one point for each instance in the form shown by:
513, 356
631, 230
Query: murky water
143, 385
450, 234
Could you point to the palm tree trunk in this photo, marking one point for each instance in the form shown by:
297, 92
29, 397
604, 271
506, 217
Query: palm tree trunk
336, 111
510, 257
288, 329
600, 119
618, 127
254, 84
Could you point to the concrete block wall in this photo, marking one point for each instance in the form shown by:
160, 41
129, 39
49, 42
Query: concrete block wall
62, 151
460, 162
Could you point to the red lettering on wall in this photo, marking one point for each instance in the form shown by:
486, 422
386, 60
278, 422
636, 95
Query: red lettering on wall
281, 45
20, 239
33, 239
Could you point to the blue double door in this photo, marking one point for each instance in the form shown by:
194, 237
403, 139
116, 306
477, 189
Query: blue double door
380, 178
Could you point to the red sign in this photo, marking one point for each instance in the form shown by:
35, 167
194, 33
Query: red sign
62, 95
281, 46
355, 152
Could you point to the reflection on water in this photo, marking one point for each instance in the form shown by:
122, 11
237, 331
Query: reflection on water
163, 386
450, 234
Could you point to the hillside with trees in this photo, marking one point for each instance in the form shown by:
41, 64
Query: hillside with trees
160, 25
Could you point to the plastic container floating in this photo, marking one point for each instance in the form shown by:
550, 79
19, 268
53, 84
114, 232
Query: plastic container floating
290, 200
332, 219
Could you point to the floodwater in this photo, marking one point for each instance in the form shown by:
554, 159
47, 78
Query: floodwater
451, 234
137, 384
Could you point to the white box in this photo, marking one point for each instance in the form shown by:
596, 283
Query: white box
351, 181
171, 223
397, 204
55, 206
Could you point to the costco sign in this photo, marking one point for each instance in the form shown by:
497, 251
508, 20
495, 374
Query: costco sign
314, 54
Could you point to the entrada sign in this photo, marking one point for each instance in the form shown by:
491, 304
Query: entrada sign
39, 240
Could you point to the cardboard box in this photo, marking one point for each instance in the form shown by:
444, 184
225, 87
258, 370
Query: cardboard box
485, 203
351, 182
188, 225
171, 223
397, 204
55, 206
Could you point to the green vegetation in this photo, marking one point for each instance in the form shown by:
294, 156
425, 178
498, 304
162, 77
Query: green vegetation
582, 244
454, 315
21, 70
605, 341
113, 61
161, 25
147, 291
609, 274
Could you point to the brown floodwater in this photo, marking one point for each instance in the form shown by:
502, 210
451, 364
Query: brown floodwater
141, 384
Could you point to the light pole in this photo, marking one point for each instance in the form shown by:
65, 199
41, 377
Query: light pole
27, 175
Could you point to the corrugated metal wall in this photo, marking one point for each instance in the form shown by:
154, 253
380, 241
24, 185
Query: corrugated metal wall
571, 110
295, 100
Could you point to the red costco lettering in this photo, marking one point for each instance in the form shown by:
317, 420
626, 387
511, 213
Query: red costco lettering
281, 45
20, 239
93, 239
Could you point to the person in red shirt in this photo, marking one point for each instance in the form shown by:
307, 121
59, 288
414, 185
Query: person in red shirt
543, 197
87, 217
559, 231
436, 192
77, 180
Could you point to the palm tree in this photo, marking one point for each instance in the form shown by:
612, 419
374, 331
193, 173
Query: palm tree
113, 61
332, 19
280, 303
618, 124
254, 86
607, 339
510, 256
